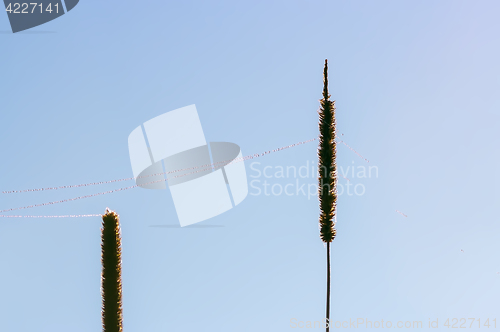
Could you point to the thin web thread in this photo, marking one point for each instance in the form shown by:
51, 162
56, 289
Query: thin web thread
401, 213
356, 152
60, 216
230, 161
257, 155
249, 157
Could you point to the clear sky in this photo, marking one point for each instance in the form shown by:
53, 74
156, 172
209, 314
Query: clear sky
416, 87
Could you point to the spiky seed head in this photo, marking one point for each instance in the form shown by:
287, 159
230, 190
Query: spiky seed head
327, 167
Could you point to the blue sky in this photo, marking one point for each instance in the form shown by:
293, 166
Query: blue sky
416, 88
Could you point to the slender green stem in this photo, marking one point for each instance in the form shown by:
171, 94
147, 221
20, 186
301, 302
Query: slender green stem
327, 286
